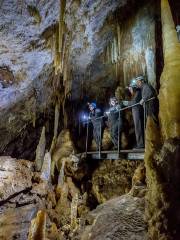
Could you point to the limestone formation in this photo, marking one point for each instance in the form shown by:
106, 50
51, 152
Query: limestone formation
169, 95
46, 168
40, 151
15, 177
55, 57
38, 227
112, 178
162, 148
64, 147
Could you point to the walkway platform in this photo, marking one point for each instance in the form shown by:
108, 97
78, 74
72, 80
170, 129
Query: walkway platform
132, 154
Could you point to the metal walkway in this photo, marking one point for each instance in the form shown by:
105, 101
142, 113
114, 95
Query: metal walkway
133, 154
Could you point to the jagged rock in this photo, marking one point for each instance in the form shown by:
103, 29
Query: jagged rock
63, 217
15, 222
76, 167
120, 218
64, 148
15, 177
139, 176
54, 234
24, 199
112, 179
40, 189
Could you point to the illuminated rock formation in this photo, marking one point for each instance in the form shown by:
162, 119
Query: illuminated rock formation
162, 143
169, 95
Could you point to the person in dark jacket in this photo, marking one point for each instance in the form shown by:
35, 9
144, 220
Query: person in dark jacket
115, 121
137, 113
97, 122
148, 92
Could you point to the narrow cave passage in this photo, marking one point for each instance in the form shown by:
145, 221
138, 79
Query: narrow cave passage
89, 119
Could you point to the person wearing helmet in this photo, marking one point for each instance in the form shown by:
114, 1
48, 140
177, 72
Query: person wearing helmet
115, 121
137, 113
148, 92
97, 122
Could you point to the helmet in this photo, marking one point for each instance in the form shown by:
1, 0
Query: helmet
139, 78
133, 83
113, 99
93, 104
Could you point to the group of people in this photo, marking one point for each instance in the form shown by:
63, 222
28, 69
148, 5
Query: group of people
143, 100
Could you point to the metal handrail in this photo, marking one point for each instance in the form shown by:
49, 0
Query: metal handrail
104, 116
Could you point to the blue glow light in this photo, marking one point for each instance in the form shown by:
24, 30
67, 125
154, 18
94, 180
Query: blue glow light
84, 117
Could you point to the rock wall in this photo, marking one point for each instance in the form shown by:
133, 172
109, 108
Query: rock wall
162, 148
138, 45
131, 51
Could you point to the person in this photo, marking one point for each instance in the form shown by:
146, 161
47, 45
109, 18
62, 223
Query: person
97, 122
148, 92
115, 121
137, 113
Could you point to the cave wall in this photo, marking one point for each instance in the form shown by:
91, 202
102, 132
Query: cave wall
163, 141
130, 52
138, 45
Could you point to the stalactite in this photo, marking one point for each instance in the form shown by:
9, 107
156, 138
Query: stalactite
119, 39
74, 207
61, 24
112, 53
115, 51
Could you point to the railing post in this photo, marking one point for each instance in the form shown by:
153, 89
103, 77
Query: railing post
119, 133
79, 126
100, 140
87, 135
144, 121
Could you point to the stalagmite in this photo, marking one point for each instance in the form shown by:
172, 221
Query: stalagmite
61, 24
56, 121
38, 227
61, 174
74, 206
46, 168
40, 151
170, 87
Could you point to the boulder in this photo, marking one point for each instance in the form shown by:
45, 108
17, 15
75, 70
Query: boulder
15, 177
121, 218
15, 222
